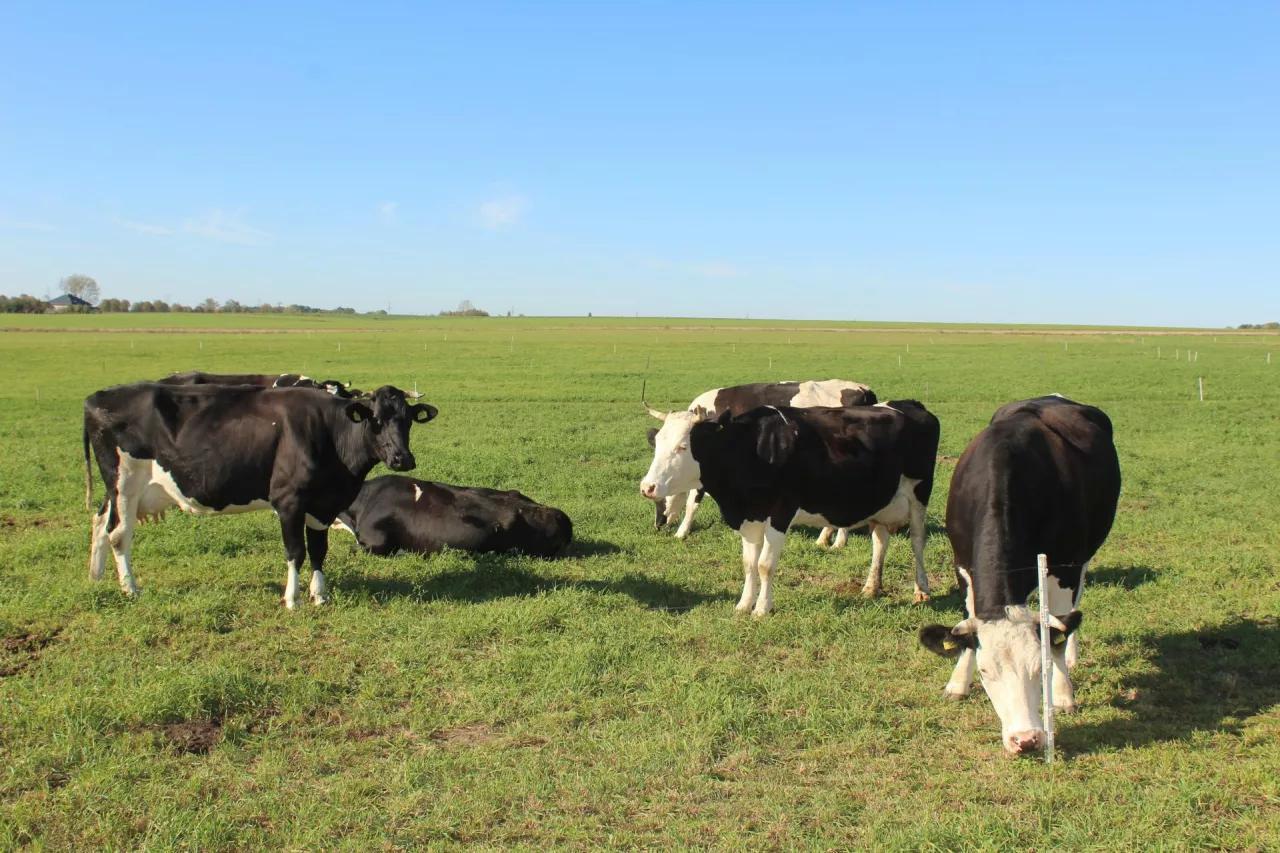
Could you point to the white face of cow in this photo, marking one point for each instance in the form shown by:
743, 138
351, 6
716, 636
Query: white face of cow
673, 470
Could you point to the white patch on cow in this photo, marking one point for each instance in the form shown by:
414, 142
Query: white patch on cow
132, 484
752, 533
809, 519
417, 493
673, 470
1060, 603
1008, 659
824, 393
774, 539
339, 524
706, 400
98, 545
163, 491
319, 590
824, 537
291, 586
879, 545
314, 523
842, 537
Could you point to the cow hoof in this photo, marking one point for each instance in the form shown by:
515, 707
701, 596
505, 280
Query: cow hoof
319, 600
742, 609
759, 614
871, 591
1064, 709
920, 597
952, 695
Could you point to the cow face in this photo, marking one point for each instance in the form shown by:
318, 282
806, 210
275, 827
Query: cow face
673, 470
386, 418
1007, 653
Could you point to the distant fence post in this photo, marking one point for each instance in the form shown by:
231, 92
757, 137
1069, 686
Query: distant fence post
1201, 380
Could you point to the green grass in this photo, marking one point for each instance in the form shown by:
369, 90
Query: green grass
611, 698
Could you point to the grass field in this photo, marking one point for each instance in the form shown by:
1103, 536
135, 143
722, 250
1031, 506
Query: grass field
611, 698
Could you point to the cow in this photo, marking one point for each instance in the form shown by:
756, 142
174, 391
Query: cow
774, 466
742, 398
395, 514
264, 380
1042, 478
219, 449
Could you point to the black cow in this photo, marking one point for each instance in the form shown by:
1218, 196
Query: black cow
775, 466
263, 380
1042, 478
403, 514
738, 399
215, 449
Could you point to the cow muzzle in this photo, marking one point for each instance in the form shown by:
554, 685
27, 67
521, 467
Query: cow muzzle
649, 490
402, 462
1021, 743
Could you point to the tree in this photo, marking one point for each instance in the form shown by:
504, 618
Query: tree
209, 306
82, 286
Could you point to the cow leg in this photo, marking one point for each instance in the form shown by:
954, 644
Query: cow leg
752, 533
825, 536
773, 542
317, 548
671, 508
132, 480
918, 531
292, 526
1073, 644
690, 510
1060, 601
660, 513
100, 544
879, 545
842, 536
962, 676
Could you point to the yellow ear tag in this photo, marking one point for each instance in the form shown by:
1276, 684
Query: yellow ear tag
356, 416
950, 644
1059, 639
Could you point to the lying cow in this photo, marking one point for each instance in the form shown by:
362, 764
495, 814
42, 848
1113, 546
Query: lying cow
738, 399
1042, 478
403, 514
263, 380
776, 465
217, 449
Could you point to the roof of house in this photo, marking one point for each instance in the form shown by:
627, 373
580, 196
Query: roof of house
67, 299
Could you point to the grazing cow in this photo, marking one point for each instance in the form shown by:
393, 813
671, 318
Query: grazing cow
403, 514
777, 465
743, 398
1042, 478
217, 449
263, 380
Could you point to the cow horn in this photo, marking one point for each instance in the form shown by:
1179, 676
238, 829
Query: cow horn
968, 626
413, 395
1055, 622
659, 415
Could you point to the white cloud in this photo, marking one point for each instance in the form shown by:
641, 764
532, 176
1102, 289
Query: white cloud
26, 226
502, 211
387, 212
140, 227
716, 270
226, 228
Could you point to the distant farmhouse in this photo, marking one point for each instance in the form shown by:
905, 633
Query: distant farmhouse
66, 302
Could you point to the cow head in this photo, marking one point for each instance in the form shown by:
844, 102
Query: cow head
673, 470
385, 417
1007, 652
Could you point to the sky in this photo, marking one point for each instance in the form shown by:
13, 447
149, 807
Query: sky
1114, 163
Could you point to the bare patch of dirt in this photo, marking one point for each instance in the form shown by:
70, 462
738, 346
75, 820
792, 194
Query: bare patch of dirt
472, 734
194, 737
22, 650
947, 460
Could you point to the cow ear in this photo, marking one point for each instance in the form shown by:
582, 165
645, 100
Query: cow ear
653, 435
942, 642
700, 414
423, 412
774, 442
358, 412
1072, 620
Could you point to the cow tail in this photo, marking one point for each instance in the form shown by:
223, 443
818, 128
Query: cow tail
88, 472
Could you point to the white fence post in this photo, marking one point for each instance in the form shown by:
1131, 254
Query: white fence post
1046, 660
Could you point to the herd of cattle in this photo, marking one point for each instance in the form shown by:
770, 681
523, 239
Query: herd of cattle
1042, 478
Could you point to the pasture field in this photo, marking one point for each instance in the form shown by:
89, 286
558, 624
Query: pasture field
610, 698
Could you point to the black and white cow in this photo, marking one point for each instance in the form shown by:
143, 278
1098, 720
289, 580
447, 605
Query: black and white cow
737, 399
1042, 478
217, 449
403, 514
262, 380
777, 465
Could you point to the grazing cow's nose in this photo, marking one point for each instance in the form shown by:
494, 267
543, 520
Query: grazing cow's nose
649, 490
1023, 742
402, 462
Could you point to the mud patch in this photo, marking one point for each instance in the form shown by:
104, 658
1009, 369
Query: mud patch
22, 650
192, 737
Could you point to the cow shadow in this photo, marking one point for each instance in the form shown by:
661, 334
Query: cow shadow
589, 548
1212, 680
497, 576
1127, 577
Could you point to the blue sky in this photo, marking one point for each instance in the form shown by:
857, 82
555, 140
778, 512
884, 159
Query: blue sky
1001, 162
